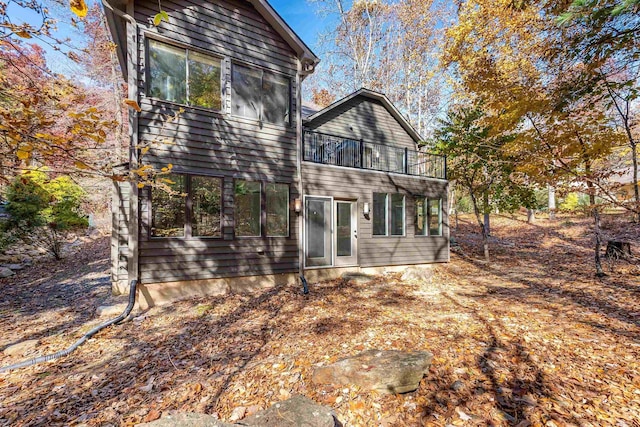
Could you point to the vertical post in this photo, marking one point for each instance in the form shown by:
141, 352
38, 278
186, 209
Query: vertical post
406, 161
361, 154
445, 167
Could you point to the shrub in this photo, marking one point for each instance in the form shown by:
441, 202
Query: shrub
36, 203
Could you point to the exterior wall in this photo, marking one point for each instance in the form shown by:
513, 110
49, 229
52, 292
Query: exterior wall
352, 184
366, 119
210, 143
119, 235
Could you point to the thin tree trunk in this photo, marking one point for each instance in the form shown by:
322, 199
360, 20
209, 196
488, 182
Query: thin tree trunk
636, 187
596, 218
487, 219
552, 202
483, 227
531, 216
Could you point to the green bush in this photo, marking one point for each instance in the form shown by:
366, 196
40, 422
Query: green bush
35, 201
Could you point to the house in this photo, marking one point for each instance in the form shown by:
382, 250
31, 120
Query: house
260, 195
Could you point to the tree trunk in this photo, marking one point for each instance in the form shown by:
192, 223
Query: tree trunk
487, 220
531, 216
596, 218
552, 202
636, 187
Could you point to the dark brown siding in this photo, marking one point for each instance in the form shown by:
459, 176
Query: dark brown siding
120, 231
352, 184
363, 118
212, 143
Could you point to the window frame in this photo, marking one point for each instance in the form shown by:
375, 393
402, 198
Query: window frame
425, 228
288, 210
263, 70
188, 210
187, 48
262, 223
388, 214
427, 216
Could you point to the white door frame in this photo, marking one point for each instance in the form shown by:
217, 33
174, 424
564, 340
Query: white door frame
352, 260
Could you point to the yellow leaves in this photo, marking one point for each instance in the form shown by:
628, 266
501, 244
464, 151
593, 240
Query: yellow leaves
79, 7
81, 165
131, 103
23, 155
24, 34
159, 17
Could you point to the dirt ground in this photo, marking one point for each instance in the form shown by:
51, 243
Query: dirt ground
533, 338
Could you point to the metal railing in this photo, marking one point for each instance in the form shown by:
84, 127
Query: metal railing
335, 150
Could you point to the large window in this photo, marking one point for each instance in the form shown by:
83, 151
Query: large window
206, 195
191, 207
184, 76
388, 214
428, 218
277, 210
397, 214
258, 94
247, 206
379, 214
168, 208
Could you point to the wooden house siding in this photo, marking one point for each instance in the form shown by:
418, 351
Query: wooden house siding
120, 231
352, 184
216, 143
363, 118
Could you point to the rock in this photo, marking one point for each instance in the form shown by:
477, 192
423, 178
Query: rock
387, 371
457, 385
418, 274
15, 267
238, 413
21, 348
5, 272
295, 412
110, 310
358, 278
187, 420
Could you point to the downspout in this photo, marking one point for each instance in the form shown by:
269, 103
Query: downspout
305, 67
132, 73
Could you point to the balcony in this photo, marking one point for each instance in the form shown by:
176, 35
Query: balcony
339, 151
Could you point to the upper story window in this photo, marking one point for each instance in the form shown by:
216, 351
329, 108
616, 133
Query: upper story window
183, 76
260, 95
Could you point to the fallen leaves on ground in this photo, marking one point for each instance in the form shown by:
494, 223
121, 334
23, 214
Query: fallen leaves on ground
531, 339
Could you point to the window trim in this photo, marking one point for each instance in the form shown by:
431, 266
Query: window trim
260, 119
188, 211
187, 48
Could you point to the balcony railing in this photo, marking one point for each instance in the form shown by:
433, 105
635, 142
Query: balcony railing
339, 151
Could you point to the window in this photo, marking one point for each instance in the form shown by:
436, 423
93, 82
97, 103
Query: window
168, 209
206, 195
192, 200
428, 217
397, 215
277, 210
421, 217
183, 76
388, 214
247, 206
260, 95
379, 214
434, 216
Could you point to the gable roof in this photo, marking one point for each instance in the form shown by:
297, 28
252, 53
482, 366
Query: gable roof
382, 98
115, 12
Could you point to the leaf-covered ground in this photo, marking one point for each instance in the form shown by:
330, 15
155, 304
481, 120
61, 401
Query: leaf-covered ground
531, 339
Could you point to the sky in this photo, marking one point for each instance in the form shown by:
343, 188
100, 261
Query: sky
299, 14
